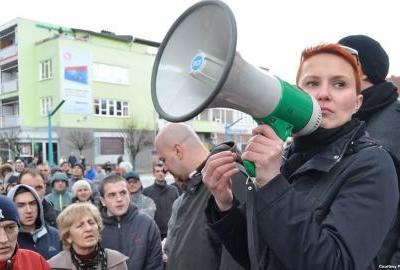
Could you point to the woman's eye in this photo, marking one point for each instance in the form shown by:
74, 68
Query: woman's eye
311, 84
339, 84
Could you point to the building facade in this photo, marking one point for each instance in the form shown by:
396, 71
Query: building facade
103, 78
104, 81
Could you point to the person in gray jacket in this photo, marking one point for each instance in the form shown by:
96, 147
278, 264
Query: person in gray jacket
143, 203
190, 244
126, 229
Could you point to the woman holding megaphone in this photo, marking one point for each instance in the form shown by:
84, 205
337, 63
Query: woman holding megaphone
331, 200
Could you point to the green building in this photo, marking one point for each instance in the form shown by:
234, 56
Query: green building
103, 78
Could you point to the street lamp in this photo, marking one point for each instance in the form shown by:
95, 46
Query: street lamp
50, 157
228, 126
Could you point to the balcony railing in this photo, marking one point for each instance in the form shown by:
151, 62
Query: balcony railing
8, 51
9, 121
9, 86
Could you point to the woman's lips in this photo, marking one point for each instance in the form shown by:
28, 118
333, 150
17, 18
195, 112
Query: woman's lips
326, 110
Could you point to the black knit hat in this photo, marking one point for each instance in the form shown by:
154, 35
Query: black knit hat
8, 210
374, 60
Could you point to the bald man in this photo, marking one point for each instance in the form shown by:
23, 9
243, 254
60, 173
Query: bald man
191, 245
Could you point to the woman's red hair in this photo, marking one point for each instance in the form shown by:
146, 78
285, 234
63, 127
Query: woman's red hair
337, 50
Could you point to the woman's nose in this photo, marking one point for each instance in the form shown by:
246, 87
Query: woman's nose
323, 92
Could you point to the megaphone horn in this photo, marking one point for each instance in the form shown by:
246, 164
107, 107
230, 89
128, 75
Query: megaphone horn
197, 67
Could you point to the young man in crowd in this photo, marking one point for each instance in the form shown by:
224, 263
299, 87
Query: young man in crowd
164, 196
126, 229
33, 178
34, 234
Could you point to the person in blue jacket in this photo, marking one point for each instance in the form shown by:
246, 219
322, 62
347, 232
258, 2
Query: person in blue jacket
34, 234
330, 202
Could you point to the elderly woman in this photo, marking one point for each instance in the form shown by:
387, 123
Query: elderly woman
82, 192
330, 202
80, 225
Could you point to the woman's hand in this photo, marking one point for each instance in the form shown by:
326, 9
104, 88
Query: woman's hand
217, 177
265, 149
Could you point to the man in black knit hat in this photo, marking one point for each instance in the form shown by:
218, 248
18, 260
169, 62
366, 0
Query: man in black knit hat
380, 108
381, 112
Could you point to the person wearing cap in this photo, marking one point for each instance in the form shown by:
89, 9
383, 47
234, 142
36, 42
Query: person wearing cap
77, 172
381, 112
380, 108
10, 181
143, 203
12, 257
60, 196
82, 192
34, 233
66, 168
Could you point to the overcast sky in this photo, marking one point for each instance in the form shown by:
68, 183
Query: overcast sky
271, 33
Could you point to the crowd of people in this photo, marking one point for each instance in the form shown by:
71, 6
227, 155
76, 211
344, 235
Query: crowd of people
327, 200
75, 222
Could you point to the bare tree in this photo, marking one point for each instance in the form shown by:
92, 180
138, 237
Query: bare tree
136, 139
80, 140
10, 137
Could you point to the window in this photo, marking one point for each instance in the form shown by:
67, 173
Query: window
111, 146
111, 107
46, 69
46, 105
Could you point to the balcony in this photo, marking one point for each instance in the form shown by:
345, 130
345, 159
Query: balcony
9, 121
8, 52
9, 86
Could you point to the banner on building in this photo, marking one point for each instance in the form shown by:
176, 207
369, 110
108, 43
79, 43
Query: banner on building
76, 81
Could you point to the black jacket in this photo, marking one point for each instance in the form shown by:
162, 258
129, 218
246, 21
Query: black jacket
384, 124
344, 229
163, 196
192, 244
136, 236
50, 213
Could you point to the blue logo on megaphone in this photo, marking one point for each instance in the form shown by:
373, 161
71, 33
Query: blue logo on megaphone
197, 62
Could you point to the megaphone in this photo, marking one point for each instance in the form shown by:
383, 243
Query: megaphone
197, 67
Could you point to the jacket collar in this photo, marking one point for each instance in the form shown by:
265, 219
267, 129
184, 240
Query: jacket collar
330, 155
129, 215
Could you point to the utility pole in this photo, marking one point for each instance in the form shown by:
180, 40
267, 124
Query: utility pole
50, 157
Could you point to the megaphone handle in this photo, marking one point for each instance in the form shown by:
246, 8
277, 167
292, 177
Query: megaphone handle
282, 128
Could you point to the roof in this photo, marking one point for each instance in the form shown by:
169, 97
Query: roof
125, 38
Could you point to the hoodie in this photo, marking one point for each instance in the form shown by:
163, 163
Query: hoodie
44, 239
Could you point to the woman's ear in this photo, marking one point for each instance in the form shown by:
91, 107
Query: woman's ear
359, 101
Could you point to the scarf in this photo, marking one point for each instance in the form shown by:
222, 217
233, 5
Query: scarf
375, 98
92, 261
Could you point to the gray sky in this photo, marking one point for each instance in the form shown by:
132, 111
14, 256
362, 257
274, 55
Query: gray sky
271, 33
